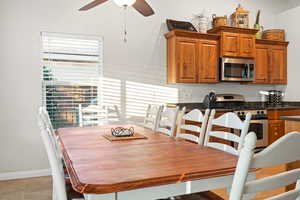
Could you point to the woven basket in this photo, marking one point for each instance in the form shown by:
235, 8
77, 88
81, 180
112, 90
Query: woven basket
274, 34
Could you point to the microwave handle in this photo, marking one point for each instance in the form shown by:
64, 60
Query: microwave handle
249, 73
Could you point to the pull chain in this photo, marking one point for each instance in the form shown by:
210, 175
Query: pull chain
125, 23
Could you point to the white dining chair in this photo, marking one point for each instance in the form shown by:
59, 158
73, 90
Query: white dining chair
55, 158
59, 185
228, 120
152, 116
167, 121
284, 150
193, 116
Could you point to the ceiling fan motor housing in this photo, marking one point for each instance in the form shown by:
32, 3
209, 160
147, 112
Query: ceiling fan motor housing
122, 3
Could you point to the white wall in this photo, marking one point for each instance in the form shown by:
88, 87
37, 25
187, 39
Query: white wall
288, 21
143, 58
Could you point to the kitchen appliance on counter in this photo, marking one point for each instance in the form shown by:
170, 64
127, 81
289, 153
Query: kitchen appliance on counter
236, 103
274, 97
223, 101
237, 69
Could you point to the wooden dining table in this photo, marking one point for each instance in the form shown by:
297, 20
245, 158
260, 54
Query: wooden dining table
157, 166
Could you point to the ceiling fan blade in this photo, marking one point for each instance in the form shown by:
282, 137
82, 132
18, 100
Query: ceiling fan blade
92, 5
143, 7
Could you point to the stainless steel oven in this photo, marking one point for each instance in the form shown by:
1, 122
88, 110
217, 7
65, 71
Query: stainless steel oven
260, 127
237, 69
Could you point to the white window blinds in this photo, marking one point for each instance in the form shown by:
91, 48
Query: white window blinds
71, 71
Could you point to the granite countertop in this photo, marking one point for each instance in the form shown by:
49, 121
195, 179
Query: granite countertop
290, 118
245, 106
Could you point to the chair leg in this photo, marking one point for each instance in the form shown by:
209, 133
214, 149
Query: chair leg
53, 192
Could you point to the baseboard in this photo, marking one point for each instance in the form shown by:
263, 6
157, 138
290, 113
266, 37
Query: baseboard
24, 174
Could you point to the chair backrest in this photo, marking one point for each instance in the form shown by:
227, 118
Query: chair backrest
152, 116
45, 120
114, 115
54, 160
167, 120
93, 115
228, 120
193, 116
284, 150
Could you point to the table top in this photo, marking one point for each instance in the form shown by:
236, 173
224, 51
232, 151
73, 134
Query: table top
97, 165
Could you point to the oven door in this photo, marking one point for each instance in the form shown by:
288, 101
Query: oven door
260, 127
234, 69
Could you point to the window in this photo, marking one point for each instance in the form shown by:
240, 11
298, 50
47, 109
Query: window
71, 72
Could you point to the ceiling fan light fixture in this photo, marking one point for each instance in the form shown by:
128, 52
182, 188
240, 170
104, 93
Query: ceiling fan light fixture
123, 3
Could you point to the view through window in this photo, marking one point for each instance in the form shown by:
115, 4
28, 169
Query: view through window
71, 71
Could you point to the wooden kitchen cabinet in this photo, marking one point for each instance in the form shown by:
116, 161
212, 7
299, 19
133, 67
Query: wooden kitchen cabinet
187, 50
236, 42
271, 62
208, 61
230, 44
262, 64
192, 57
237, 45
247, 46
278, 71
275, 129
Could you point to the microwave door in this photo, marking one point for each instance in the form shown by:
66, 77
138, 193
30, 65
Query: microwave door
237, 69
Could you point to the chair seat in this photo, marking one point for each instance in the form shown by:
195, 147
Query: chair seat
208, 195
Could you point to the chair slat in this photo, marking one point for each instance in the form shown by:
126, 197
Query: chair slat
291, 195
189, 137
189, 127
225, 135
272, 182
223, 147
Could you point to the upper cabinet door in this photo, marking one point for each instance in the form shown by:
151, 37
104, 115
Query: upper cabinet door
247, 46
278, 65
186, 55
230, 44
208, 61
262, 64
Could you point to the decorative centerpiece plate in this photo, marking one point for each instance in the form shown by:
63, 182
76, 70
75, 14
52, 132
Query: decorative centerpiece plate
122, 133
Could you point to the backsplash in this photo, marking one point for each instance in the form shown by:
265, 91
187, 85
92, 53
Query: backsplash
155, 75
196, 93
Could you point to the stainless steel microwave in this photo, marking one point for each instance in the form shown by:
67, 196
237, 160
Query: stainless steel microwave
237, 69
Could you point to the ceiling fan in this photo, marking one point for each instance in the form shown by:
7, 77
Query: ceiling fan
140, 5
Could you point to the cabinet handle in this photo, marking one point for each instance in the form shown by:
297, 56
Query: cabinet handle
276, 133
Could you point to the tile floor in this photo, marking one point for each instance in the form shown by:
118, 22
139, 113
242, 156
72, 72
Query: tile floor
41, 188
